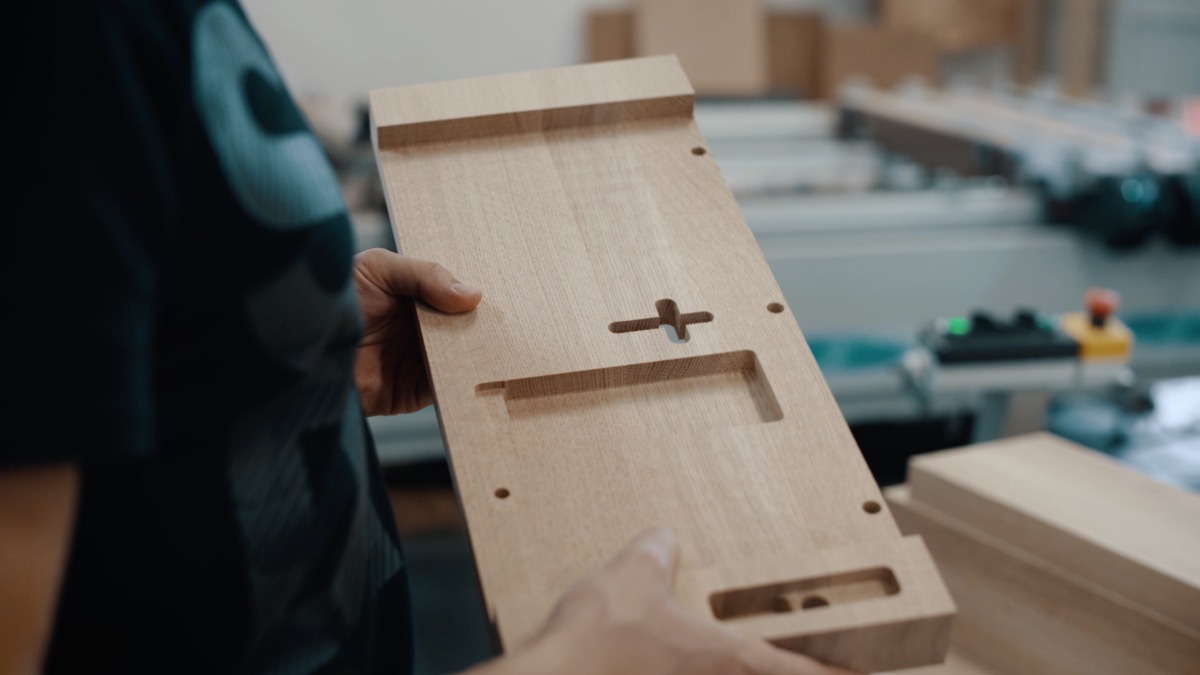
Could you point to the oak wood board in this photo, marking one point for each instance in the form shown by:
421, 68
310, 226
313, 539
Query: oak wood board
585, 203
1108, 524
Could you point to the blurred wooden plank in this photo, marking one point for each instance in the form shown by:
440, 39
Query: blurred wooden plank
1110, 525
955, 25
1030, 41
793, 38
609, 34
795, 51
885, 56
1020, 614
424, 510
1081, 47
722, 44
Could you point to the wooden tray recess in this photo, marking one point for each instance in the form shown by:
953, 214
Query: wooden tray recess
632, 365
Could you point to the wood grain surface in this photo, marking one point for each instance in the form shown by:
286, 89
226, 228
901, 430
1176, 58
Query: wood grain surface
882, 55
955, 25
793, 46
609, 34
575, 416
722, 44
1093, 517
1019, 613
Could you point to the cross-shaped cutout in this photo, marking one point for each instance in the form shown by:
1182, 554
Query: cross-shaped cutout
669, 317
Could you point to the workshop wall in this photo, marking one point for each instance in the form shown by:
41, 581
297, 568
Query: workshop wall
348, 48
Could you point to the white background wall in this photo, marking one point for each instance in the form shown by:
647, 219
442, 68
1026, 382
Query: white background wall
347, 47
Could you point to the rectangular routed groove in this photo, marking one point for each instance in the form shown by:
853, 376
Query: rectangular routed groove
730, 375
805, 594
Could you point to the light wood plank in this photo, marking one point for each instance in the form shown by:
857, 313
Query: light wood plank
1030, 41
572, 423
1020, 614
722, 44
610, 34
1106, 523
955, 25
884, 56
795, 51
1083, 33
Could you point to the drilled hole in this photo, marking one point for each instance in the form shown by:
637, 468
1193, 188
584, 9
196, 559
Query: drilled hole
813, 601
502, 493
699, 151
872, 507
774, 308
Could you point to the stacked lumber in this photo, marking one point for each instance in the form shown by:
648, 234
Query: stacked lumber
727, 47
744, 48
1061, 560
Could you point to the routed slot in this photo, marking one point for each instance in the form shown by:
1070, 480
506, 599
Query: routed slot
805, 594
732, 385
668, 316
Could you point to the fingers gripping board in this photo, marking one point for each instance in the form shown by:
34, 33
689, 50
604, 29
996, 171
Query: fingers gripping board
632, 365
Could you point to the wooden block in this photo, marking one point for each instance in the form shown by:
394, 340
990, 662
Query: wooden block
722, 44
1018, 614
793, 39
609, 34
795, 51
1030, 41
955, 25
1081, 47
1106, 524
591, 215
885, 56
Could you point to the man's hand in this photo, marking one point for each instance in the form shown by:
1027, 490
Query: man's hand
390, 368
37, 515
623, 619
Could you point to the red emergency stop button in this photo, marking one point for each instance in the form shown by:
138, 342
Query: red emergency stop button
1101, 304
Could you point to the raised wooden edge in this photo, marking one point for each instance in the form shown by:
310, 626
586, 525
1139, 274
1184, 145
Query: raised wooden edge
594, 93
905, 627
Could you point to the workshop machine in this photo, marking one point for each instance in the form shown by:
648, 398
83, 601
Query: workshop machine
1123, 177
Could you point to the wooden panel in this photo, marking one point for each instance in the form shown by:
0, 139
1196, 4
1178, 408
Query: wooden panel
721, 43
954, 25
885, 56
572, 422
1107, 524
1083, 32
793, 46
795, 51
1018, 615
1029, 24
609, 34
